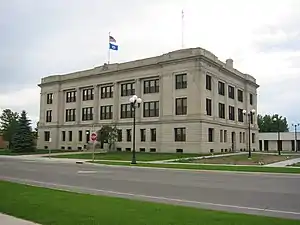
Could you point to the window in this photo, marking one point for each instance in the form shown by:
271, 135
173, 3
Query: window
143, 135
87, 114
251, 118
153, 134
231, 92
180, 134
240, 115
231, 115
126, 111
253, 138
47, 135
63, 135
106, 112
88, 94
221, 88
208, 82
87, 136
152, 149
142, 149
49, 98
80, 135
128, 134
71, 96
225, 135
210, 134
107, 92
120, 137
241, 137
179, 150
240, 96
181, 106
151, 109
251, 99
244, 137
151, 86
208, 107
70, 115
70, 135
49, 116
222, 110
221, 136
127, 89
181, 81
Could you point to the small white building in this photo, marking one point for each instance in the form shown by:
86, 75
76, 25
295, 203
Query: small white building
287, 141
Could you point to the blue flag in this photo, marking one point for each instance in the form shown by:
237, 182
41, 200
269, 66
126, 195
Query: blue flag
113, 47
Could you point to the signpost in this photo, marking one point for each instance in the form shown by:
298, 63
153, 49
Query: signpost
93, 138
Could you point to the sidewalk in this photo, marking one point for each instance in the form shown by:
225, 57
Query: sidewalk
10, 220
284, 163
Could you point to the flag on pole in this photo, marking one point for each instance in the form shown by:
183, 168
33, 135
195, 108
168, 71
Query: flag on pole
112, 39
113, 43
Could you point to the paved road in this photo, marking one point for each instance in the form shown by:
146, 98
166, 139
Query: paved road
263, 194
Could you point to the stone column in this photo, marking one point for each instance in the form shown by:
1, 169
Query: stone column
96, 104
78, 105
116, 103
138, 92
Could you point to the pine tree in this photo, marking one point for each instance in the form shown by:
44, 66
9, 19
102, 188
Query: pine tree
23, 138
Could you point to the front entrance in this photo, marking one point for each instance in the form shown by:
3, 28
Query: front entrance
233, 141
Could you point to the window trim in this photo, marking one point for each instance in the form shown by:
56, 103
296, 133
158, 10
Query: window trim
180, 134
148, 112
181, 81
181, 111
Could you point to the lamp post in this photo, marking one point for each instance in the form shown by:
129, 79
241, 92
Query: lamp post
248, 118
278, 134
295, 130
135, 102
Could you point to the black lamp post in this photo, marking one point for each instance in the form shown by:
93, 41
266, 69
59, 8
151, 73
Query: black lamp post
249, 118
278, 135
135, 102
295, 130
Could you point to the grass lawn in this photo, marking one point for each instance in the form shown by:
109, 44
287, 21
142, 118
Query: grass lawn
209, 167
38, 151
243, 159
126, 156
53, 207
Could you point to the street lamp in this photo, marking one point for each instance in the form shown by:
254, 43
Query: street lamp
295, 130
249, 117
278, 134
135, 102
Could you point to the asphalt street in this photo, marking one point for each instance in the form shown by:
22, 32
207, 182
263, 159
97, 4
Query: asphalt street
263, 194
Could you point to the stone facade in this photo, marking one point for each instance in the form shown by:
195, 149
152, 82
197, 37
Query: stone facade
186, 74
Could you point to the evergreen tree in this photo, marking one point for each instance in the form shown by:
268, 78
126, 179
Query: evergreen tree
23, 138
8, 124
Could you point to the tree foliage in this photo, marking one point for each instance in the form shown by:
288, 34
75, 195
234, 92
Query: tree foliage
8, 125
267, 123
23, 140
107, 134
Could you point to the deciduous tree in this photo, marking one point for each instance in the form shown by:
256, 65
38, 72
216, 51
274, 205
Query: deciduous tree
272, 123
8, 124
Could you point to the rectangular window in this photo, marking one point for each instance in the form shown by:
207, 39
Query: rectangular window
47, 135
71, 96
128, 135
181, 106
80, 135
240, 96
253, 138
222, 110
153, 134
208, 107
63, 135
49, 98
87, 114
241, 137
126, 111
251, 118
88, 94
70, 135
221, 136
244, 137
106, 112
49, 116
107, 92
151, 86
180, 134
70, 115
127, 89
181, 81
208, 82
231, 115
120, 136
221, 88
231, 92
151, 109
240, 115
225, 135
143, 135
251, 99
210, 134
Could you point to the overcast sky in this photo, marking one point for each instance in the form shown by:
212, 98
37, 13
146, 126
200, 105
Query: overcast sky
39, 38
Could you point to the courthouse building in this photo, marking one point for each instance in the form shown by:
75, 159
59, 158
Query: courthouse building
192, 102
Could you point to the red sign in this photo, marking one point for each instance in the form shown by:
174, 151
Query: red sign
94, 136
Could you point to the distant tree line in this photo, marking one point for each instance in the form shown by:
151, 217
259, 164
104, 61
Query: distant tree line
272, 123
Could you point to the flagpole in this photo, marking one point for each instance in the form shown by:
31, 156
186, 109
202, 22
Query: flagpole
108, 48
182, 29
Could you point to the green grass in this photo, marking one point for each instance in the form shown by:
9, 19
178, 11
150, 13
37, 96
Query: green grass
53, 207
38, 151
209, 167
126, 156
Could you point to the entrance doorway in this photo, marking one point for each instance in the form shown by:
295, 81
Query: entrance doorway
233, 141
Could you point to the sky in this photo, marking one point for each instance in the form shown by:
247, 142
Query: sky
42, 38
